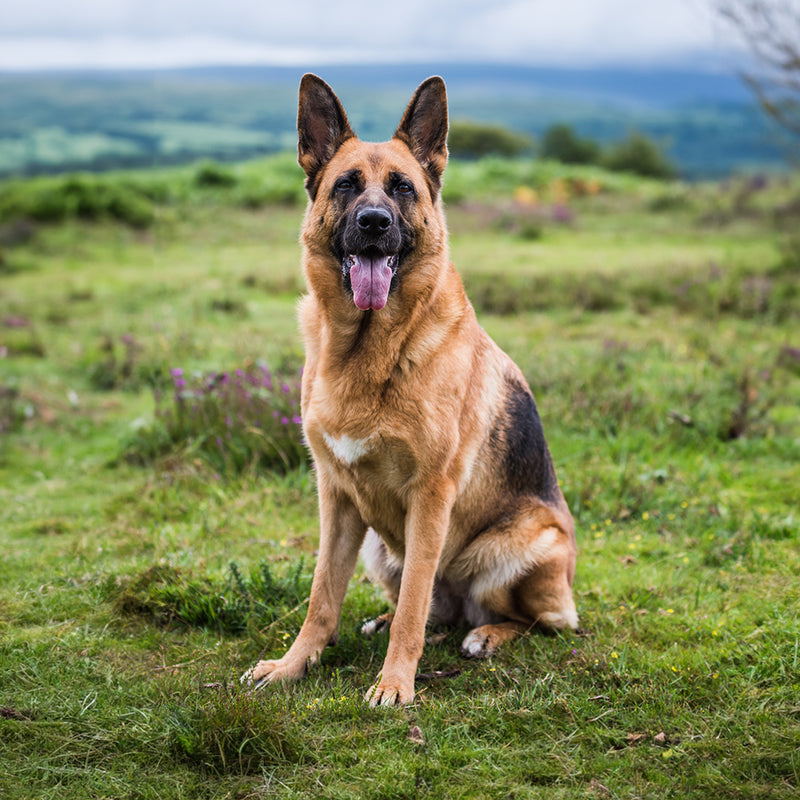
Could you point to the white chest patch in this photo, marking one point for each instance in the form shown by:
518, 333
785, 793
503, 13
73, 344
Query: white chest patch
347, 450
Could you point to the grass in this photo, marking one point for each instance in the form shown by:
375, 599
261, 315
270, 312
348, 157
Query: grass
658, 327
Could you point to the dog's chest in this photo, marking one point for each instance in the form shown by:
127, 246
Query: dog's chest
345, 449
376, 456
375, 472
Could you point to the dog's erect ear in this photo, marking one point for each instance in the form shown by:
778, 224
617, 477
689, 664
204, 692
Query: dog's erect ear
322, 127
424, 128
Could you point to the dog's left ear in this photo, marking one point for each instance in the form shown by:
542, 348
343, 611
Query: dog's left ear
424, 128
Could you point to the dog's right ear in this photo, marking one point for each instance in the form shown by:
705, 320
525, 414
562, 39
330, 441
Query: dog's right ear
322, 127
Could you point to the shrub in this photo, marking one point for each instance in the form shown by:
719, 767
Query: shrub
640, 155
210, 174
670, 201
245, 419
468, 139
76, 196
561, 143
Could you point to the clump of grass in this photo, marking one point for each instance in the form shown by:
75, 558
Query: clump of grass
121, 363
16, 233
248, 418
230, 604
18, 337
229, 305
13, 409
789, 262
233, 732
274, 284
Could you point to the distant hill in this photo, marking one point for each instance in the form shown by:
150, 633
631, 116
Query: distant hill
53, 121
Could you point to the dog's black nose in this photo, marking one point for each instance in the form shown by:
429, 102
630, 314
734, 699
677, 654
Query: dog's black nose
373, 220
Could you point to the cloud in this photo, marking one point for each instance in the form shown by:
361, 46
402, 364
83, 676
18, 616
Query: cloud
180, 32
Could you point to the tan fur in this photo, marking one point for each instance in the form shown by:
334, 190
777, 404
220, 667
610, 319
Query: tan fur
404, 409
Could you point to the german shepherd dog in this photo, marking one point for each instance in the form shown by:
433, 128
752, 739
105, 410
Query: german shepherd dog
429, 452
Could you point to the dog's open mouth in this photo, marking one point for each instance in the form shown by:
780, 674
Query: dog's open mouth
370, 277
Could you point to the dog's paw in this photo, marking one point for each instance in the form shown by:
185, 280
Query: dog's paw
389, 693
265, 672
479, 643
485, 640
381, 623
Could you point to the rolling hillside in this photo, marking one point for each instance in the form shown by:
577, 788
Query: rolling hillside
706, 122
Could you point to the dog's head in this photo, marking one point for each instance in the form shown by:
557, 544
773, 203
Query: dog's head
370, 204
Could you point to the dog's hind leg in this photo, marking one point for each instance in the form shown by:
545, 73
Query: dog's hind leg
383, 569
542, 599
484, 640
521, 578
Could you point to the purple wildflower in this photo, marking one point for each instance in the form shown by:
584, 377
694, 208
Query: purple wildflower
562, 213
16, 321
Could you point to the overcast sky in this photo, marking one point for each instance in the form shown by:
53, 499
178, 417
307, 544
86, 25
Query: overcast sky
159, 33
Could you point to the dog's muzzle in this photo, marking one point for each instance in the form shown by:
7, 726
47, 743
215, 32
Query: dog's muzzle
372, 241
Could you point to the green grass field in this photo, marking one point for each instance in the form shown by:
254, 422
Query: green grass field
143, 570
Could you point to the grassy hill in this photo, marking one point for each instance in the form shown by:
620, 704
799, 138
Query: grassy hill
158, 522
58, 121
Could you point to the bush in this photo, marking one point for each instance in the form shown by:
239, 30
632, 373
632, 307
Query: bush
474, 140
245, 419
561, 143
671, 201
210, 174
76, 196
640, 155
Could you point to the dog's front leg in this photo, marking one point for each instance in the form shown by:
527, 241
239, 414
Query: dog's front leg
341, 534
427, 521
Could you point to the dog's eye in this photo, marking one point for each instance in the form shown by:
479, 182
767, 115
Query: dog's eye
343, 185
404, 187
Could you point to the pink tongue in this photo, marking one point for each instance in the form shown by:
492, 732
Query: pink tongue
370, 279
